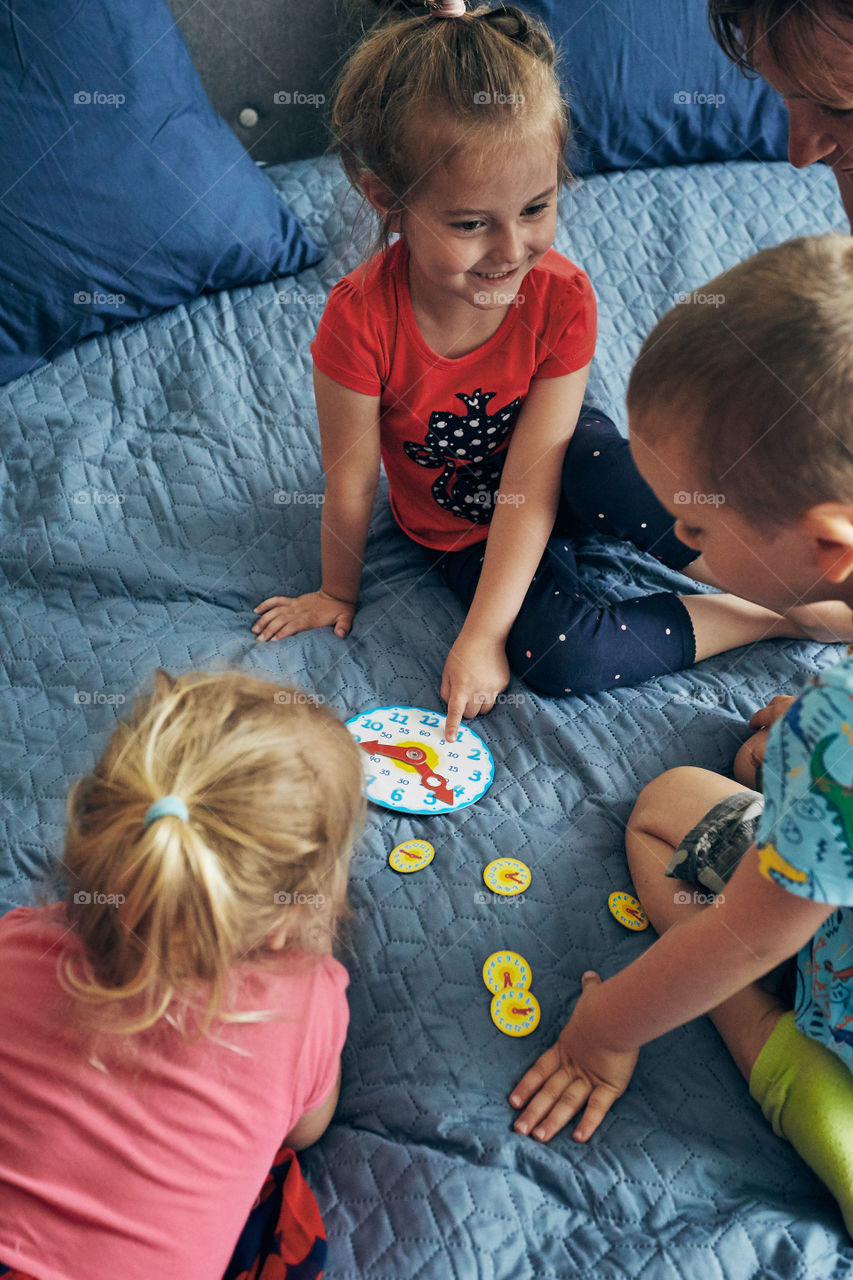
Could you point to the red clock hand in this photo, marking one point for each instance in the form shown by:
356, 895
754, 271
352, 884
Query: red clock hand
417, 758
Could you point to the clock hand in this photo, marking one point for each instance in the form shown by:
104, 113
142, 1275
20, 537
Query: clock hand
417, 758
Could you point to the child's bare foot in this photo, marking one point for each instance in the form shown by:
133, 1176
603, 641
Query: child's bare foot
830, 621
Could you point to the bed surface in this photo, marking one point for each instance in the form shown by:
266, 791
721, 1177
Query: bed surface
157, 483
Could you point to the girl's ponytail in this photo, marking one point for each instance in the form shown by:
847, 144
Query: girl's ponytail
271, 785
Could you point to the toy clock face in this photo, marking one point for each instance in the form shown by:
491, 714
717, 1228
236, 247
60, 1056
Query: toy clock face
410, 766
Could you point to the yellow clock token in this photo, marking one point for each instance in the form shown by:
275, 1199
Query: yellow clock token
505, 969
507, 876
627, 911
411, 855
515, 1011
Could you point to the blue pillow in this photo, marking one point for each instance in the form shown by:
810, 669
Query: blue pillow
648, 85
122, 192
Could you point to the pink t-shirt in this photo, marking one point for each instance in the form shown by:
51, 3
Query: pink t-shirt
149, 1169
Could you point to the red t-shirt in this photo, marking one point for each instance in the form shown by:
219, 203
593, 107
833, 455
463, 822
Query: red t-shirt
151, 1167
446, 423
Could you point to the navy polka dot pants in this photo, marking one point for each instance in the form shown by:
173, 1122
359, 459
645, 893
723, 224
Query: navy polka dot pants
564, 640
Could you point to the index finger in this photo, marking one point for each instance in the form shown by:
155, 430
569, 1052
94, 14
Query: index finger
455, 708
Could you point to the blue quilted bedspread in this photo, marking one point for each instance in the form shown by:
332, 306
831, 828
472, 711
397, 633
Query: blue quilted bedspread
157, 483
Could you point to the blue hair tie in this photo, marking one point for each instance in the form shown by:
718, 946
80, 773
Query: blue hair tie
165, 806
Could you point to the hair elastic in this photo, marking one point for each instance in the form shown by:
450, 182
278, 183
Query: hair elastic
166, 806
447, 8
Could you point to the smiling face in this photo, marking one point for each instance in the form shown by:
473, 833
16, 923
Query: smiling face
818, 92
473, 234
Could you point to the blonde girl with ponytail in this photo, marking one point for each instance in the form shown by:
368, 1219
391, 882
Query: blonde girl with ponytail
180, 1015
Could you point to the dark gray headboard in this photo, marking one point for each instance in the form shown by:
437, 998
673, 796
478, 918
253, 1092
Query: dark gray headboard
248, 51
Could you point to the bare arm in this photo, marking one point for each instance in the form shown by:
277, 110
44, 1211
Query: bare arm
349, 438
314, 1123
526, 504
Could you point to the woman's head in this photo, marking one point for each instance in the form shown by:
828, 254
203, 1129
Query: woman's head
272, 784
804, 49
423, 95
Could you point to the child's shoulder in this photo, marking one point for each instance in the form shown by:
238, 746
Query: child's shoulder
556, 281
24, 922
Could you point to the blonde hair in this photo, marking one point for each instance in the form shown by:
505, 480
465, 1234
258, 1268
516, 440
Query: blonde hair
754, 373
790, 28
419, 89
272, 783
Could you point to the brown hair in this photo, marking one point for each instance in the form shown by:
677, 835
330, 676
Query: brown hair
272, 782
754, 372
418, 89
790, 28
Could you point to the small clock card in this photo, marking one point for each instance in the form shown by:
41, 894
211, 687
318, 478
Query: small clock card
412, 768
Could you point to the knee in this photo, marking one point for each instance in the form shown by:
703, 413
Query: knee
570, 664
655, 802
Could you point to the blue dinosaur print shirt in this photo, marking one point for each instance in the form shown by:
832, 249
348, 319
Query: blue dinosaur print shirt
446, 422
805, 843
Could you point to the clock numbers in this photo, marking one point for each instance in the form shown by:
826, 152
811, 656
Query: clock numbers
399, 718
475, 754
432, 721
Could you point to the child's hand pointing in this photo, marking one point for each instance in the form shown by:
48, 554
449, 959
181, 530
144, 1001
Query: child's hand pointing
475, 672
574, 1073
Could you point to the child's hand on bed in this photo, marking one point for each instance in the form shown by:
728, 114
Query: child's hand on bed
775, 710
574, 1073
475, 672
285, 615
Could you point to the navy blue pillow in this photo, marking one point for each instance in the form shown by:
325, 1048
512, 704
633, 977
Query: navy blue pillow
648, 85
122, 192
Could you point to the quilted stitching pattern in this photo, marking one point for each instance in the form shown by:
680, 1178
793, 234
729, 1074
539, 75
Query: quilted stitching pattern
140, 525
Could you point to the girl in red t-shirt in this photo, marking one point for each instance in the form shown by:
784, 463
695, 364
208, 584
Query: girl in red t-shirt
181, 1015
459, 357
